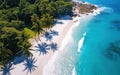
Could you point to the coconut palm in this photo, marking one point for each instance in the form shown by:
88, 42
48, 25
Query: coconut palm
37, 27
47, 21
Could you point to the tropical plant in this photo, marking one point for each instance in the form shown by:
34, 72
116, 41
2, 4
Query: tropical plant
4, 53
24, 46
36, 25
47, 21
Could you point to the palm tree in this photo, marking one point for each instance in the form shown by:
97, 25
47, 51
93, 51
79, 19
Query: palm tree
25, 49
50, 9
42, 6
37, 27
24, 45
47, 21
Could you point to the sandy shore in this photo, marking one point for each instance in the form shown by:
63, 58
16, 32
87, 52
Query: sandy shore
62, 29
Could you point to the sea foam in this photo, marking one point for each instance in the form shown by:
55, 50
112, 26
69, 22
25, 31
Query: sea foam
74, 71
81, 41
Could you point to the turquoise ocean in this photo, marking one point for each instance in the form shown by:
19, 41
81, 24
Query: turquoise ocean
94, 56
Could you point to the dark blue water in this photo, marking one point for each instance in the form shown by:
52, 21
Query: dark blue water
100, 54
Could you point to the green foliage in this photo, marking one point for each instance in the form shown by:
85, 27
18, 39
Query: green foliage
47, 20
36, 24
24, 45
4, 53
29, 32
13, 42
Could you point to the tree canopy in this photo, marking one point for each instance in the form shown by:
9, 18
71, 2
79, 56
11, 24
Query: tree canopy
35, 15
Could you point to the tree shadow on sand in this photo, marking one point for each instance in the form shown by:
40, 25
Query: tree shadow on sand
53, 32
53, 46
42, 48
48, 36
6, 69
29, 65
66, 18
59, 22
18, 60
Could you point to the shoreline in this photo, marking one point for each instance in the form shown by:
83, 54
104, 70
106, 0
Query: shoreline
63, 29
67, 38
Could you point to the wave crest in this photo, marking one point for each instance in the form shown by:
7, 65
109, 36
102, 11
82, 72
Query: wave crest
74, 71
107, 9
81, 41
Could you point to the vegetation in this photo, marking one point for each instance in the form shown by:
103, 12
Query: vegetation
22, 19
